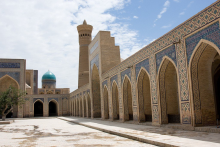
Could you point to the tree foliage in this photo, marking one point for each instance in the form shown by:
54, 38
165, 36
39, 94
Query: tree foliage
9, 98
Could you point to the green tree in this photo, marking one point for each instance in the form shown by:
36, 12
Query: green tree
9, 98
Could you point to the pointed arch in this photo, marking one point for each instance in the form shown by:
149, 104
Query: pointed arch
38, 108
144, 96
53, 108
169, 92
115, 101
96, 98
127, 99
7, 81
106, 102
204, 75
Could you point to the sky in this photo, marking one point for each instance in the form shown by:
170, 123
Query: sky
44, 31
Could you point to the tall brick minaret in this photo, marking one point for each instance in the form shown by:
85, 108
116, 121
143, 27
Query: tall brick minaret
85, 37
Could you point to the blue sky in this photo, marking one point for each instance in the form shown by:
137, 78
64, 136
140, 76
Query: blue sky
44, 32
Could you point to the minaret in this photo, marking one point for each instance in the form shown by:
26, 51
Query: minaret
85, 37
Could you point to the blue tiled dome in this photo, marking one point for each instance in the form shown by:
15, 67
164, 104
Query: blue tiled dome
49, 76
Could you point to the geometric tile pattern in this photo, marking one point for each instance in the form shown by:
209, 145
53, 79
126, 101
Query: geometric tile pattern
56, 99
9, 65
114, 78
211, 33
185, 108
169, 52
14, 75
126, 72
95, 61
35, 99
144, 64
105, 83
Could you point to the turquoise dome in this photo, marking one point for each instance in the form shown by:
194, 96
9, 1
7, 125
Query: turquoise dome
49, 76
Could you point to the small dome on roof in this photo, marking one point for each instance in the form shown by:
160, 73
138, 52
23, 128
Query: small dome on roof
49, 76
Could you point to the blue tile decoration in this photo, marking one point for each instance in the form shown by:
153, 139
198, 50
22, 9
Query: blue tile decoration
14, 75
105, 83
144, 64
125, 72
64, 98
88, 90
35, 99
169, 52
84, 92
211, 33
95, 61
56, 99
114, 78
9, 65
94, 47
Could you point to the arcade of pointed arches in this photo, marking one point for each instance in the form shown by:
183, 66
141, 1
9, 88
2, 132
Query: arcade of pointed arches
204, 69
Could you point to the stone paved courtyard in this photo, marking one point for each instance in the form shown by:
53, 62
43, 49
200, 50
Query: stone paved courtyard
56, 132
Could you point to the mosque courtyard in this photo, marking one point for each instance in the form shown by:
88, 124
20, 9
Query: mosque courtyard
51, 131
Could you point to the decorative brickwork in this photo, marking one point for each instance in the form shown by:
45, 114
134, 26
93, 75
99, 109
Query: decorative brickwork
95, 61
144, 64
56, 99
35, 99
211, 33
126, 72
169, 52
114, 78
9, 65
14, 75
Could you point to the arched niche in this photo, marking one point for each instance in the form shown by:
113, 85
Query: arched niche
169, 95
144, 96
205, 83
127, 99
115, 101
38, 108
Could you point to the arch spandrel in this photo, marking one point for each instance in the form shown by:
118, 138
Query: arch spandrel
7, 81
169, 52
210, 33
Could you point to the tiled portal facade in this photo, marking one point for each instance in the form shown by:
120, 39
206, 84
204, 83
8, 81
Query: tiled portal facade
45, 101
167, 70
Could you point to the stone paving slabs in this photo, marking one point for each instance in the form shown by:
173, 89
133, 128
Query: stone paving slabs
55, 132
151, 134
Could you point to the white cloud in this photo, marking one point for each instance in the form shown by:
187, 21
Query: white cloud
182, 13
189, 5
167, 26
135, 17
44, 33
139, 7
176, 0
165, 6
163, 11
